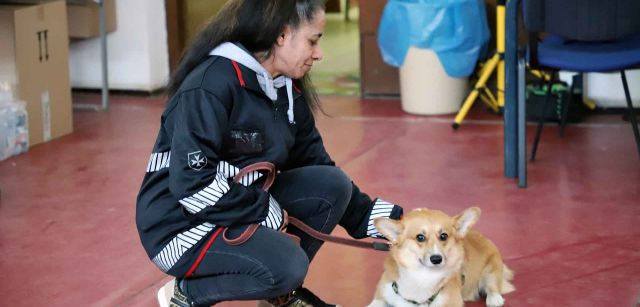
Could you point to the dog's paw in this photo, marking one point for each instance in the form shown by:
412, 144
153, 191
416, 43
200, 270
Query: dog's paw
495, 300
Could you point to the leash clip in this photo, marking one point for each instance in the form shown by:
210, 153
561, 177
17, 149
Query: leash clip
381, 246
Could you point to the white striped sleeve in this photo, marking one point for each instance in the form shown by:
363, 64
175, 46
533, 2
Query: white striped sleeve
158, 161
172, 252
274, 218
210, 195
381, 208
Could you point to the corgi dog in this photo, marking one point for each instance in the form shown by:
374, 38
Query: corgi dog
438, 260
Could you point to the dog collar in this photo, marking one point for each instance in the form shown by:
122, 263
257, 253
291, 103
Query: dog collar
394, 285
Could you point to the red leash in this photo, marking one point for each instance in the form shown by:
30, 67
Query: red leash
271, 176
289, 220
381, 246
251, 229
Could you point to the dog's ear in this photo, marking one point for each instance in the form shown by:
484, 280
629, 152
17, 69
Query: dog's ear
466, 219
390, 229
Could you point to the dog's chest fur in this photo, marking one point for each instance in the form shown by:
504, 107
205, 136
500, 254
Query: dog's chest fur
416, 285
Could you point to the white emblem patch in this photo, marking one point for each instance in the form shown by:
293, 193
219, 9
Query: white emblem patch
197, 160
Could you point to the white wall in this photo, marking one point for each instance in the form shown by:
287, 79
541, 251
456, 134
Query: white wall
137, 51
139, 58
607, 91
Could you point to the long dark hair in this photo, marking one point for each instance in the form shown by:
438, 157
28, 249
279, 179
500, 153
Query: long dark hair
256, 24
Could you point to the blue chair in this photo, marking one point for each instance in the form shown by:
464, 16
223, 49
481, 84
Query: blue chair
583, 36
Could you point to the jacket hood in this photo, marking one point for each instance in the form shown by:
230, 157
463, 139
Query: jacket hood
268, 84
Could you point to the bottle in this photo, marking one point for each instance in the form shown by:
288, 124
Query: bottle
21, 127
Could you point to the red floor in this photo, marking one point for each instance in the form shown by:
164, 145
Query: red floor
67, 233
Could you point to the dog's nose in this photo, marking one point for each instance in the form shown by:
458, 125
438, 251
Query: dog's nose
435, 259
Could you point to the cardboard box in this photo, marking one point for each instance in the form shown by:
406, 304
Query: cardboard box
377, 78
34, 55
83, 16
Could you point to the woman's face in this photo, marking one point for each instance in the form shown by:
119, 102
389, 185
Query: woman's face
297, 49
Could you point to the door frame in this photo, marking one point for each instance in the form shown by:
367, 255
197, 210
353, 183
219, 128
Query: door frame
175, 31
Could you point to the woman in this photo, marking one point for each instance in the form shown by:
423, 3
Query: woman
239, 96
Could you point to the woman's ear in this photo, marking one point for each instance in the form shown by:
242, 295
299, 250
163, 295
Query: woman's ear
283, 36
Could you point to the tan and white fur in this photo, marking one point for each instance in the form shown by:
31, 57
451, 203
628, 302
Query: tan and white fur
438, 260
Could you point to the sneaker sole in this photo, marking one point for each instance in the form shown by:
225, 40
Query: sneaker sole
161, 298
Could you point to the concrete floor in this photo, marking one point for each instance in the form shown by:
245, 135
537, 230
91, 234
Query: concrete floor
68, 238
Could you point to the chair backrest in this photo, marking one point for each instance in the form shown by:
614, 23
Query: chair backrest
585, 20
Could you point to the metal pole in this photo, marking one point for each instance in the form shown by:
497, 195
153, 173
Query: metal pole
103, 55
103, 60
511, 90
522, 125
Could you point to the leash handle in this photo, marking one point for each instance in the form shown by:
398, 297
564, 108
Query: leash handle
271, 176
259, 166
381, 246
243, 237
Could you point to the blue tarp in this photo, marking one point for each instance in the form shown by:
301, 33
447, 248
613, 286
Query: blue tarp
456, 30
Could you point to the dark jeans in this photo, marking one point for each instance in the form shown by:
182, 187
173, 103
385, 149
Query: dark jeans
271, 264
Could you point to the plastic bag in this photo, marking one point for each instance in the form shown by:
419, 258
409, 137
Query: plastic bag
14, 131
456, 30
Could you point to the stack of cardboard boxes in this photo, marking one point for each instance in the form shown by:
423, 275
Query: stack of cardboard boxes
35, 52
34, 57
83, 17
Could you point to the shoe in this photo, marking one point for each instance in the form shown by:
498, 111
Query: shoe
171, 296
300, 297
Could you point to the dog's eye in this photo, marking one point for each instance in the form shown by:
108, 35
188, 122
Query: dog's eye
420, 238
444, 236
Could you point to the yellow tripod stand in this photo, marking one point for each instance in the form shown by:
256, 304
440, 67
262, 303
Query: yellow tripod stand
496, 63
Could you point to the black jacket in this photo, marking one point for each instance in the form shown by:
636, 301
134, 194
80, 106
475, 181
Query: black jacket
219, 121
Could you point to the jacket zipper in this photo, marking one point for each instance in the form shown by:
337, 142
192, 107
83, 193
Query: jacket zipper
275, 111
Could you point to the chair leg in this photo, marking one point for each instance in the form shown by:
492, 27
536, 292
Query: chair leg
522, 124
632, 115
536, 139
